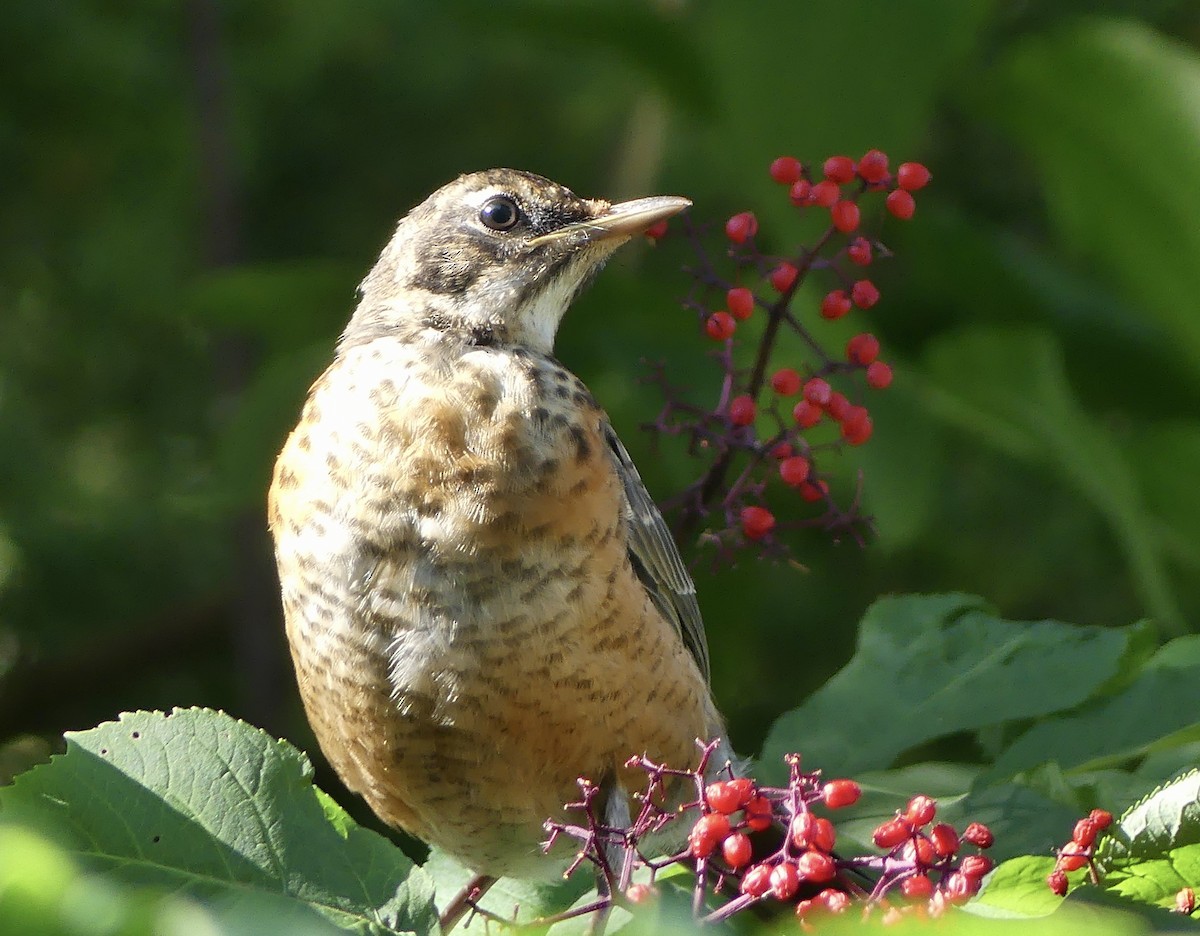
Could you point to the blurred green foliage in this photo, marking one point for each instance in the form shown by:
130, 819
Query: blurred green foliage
192, 191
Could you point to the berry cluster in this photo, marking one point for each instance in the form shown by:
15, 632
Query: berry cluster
1080, 851
924, 869
781, 418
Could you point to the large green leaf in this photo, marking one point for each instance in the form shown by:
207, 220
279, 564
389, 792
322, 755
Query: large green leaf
1162, 704
201, 804
930, 666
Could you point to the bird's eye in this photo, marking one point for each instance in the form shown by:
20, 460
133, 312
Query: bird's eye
499, 213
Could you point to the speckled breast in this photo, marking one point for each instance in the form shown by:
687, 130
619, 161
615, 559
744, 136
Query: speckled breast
467, 631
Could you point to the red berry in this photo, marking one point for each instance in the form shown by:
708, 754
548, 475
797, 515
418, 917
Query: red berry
921, 810
859, 251
839, 793
864, 294
806, 414
912, 176
757, 522
839, 169
818, 391
816, 866
809, 831
783, 276
720, 326
740, 302
1057, 882
743, 788
784, 880
813, 491
901, 204
801, 193
835, 304
1101, 817
879, 375
759, 814
944, 838
722, 797
1085, 832
736, 850
708, 832
857, 427
838, 406
862, 349
917, 887
835, 901
742, 410
891, 833
845, 216
824, 836
757, 881
825, 194
1072, 857
657, 230
976, 866
920, 851
786, 381
741, 226
786, 170
640, 893
959, 888
781, 450
794, 470
979, 835
1185, 901
873, 167
804, 827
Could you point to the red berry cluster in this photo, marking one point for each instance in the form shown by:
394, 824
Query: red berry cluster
923, 869
783, 417
1079, 851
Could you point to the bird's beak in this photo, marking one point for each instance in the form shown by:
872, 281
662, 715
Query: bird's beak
621, 220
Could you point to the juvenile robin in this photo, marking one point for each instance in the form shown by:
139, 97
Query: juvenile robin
482, 601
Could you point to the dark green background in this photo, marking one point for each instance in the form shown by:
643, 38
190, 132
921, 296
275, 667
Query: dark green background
190, 193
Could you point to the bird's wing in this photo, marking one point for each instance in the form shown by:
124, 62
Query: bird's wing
656, 559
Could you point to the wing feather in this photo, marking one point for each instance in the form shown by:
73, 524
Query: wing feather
656, 559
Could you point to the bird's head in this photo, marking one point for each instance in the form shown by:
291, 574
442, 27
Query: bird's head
495, 257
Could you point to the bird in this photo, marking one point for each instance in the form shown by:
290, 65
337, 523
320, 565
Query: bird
482, 601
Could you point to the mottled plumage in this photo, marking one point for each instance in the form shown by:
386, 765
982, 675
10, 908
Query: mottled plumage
482, 601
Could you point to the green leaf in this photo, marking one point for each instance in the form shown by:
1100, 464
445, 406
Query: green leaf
201, 804
1157, 881
1131, 216
1167, 819
1154, 850
1017, 888
529, 900
1008, 387
930, 666
1161, 706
